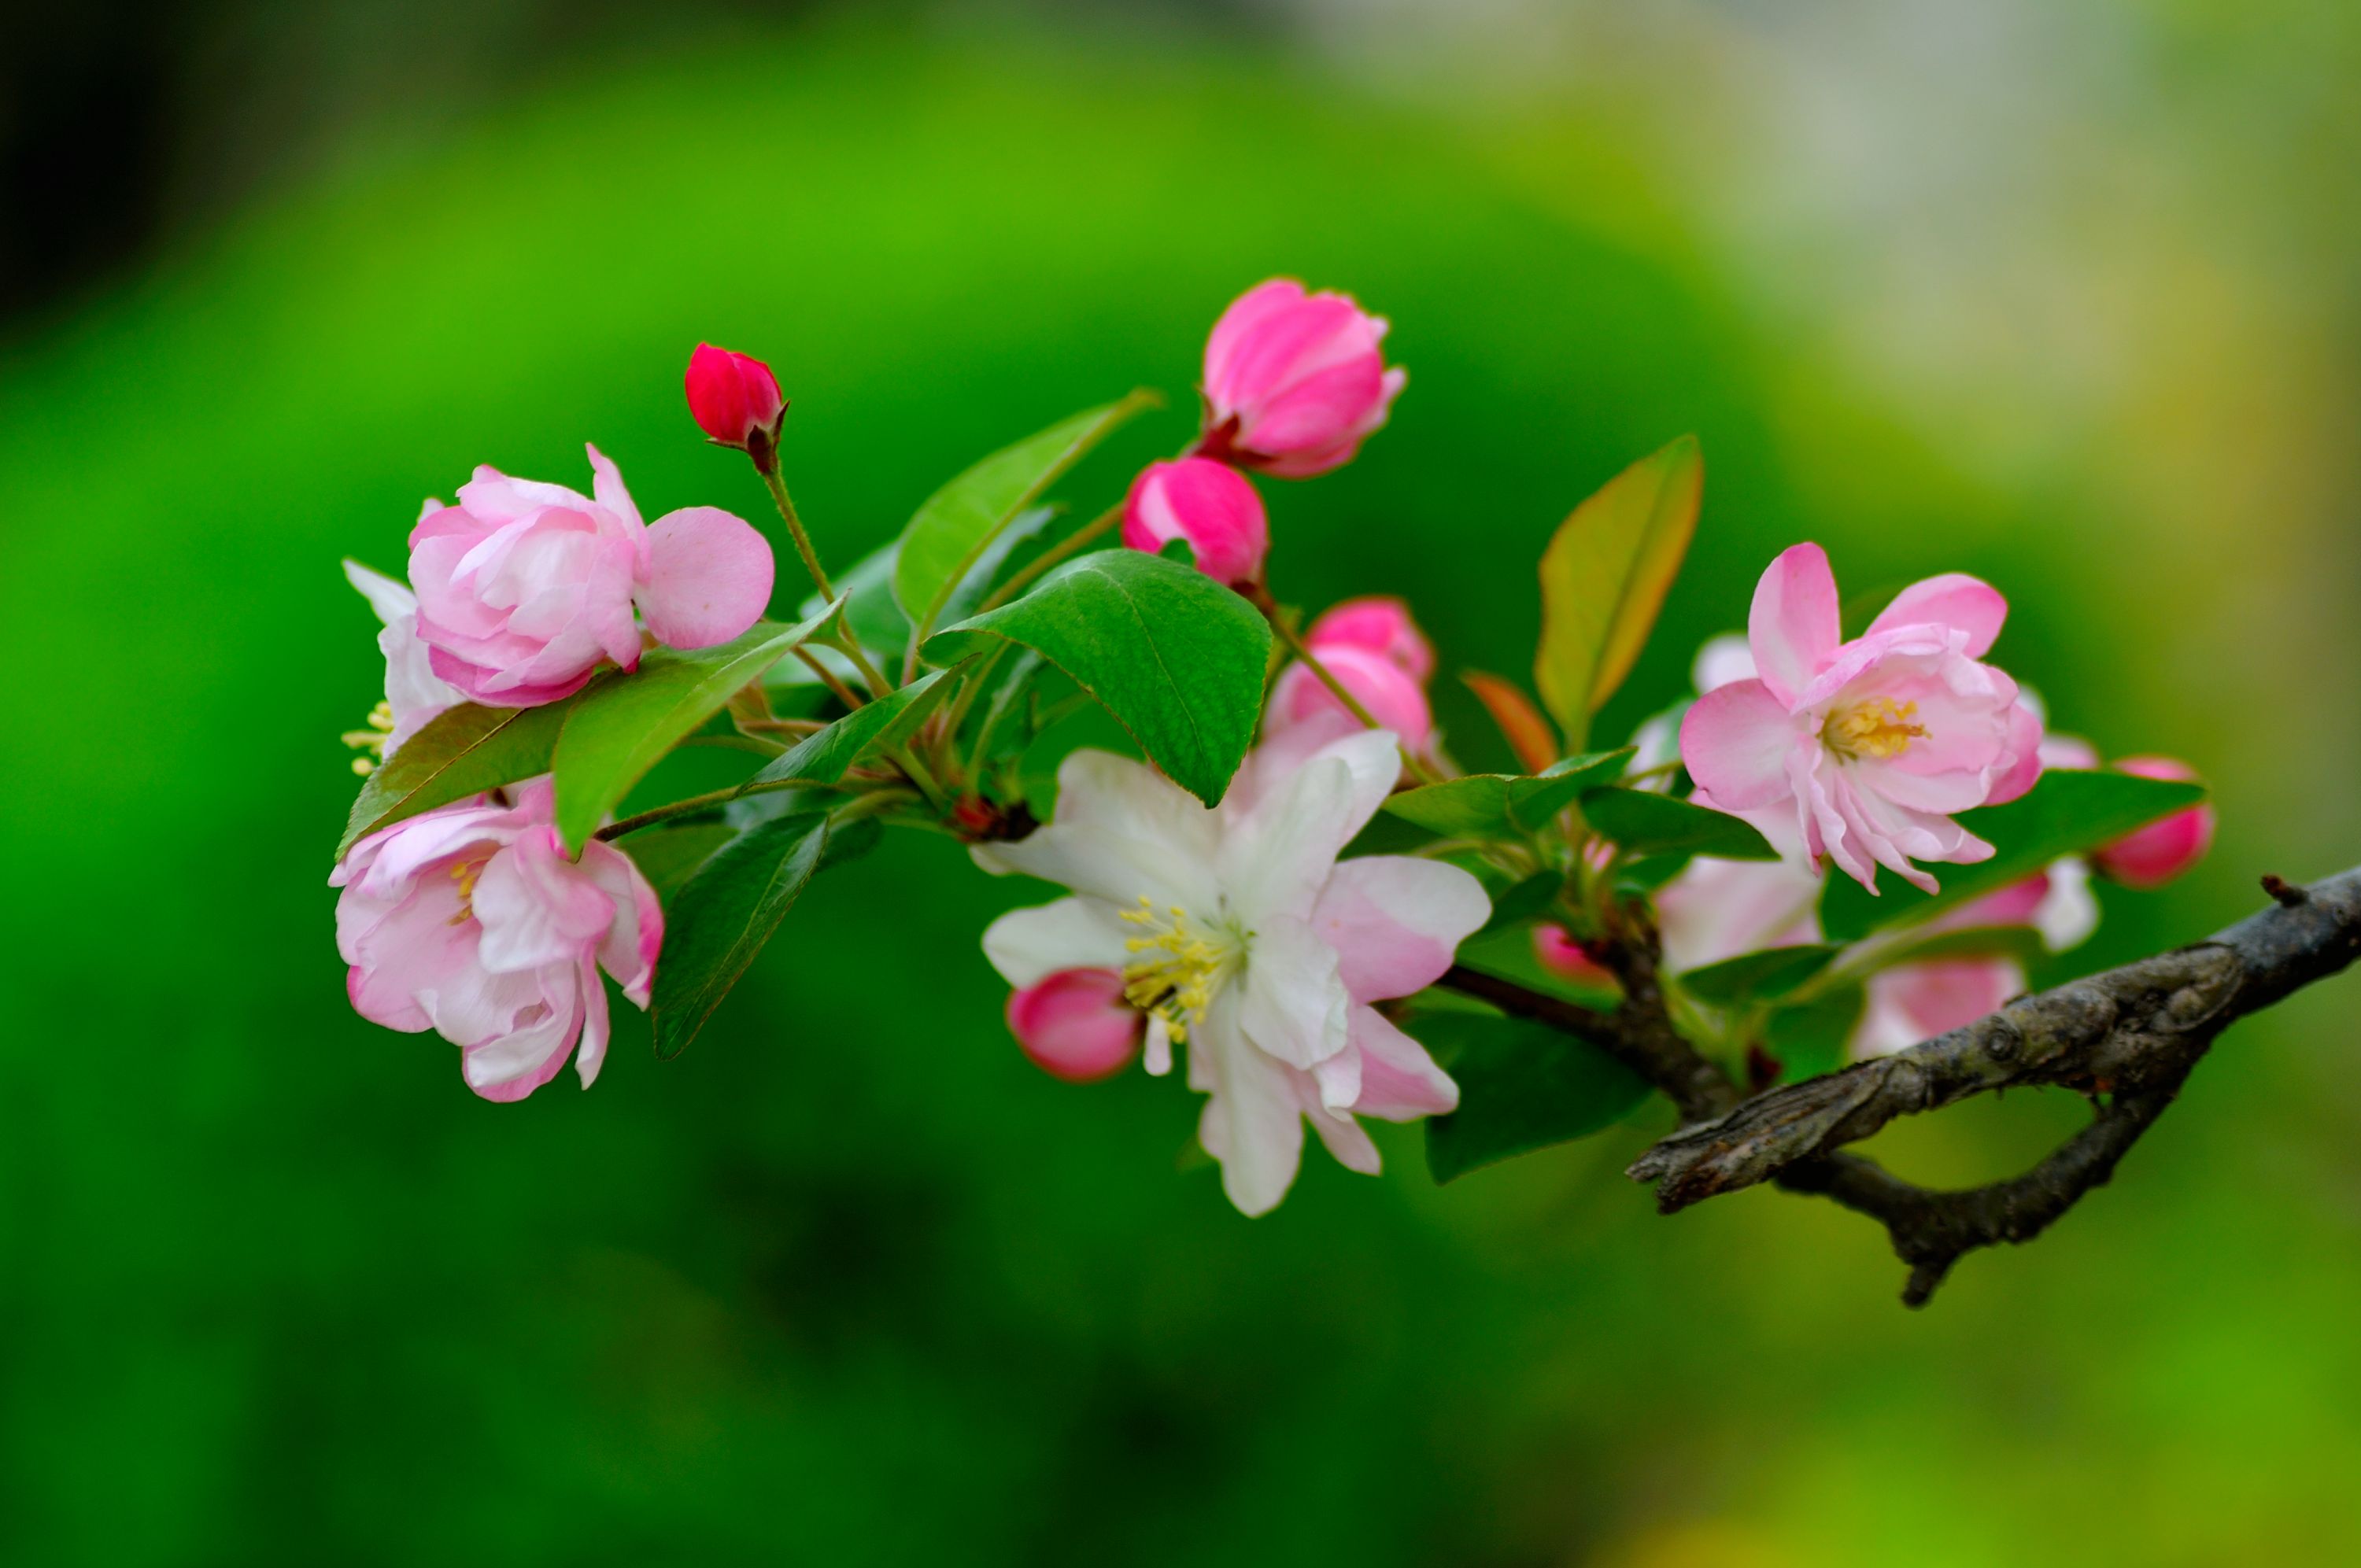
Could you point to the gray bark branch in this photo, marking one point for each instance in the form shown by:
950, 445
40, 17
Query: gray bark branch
2127, 1037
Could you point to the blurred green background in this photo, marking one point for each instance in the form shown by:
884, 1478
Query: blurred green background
2060, 299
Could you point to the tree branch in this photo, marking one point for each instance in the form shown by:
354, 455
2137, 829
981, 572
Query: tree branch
2128, 1037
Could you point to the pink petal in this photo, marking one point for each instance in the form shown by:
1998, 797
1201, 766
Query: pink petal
709, 577
2021, 765
1735, 740
1396, 922
1794, 624
1953, 599
1400, 1082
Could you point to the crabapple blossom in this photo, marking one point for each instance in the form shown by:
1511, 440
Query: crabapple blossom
1241, 939
2151, 856
1390, 693
1380, 623
1075, 1024
1915, 1001
470, 920
1872, 744
1556, 950
733, 398
1294, 381
414, 692
1212, 507
524, 588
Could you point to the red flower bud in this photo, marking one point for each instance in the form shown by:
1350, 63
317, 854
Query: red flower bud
733, 396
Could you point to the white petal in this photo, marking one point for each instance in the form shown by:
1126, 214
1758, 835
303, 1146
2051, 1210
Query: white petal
390, 596
1291, 1000
1350, 1145
1254, 1123
2067, 914
1029, 945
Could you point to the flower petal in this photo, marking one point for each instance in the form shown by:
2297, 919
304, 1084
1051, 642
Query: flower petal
1291, 1002
1400, 1082
1736, 740
709, 577
1953, 599
1254, 1122
1029, 945
1396, 922
1794, 623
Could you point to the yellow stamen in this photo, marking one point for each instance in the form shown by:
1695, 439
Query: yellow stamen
371, 739
1879, 728
464, 874
1179, 969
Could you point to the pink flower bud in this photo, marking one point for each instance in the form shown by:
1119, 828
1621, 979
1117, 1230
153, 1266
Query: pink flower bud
1559, 953
1294, 381
2160, 851
1076, 1025
733, 396
1392, 696
1381, 625
1214, 508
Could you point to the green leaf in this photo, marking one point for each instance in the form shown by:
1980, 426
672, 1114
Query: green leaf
958, 522
621, 724
1763, 976
2067, 812
824, 758
1644, 823
1175, 657
1522, 1086
1604, 578
1504, 805
1520, 902
1508, 952
1817, 1037
2022, 943
460, 751
669, 855
720, 920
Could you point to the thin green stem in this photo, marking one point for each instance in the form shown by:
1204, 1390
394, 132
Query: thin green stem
766, 463
919, 775
1295, 645
964, 703
1085, 534
845, 693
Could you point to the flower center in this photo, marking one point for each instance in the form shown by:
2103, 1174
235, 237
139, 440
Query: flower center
464, 874
1180, 964
372, 740
1879, 727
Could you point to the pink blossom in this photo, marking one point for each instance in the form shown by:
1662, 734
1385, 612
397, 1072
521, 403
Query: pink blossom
1075, 1024
469, 920
524, 588
733, 396
1381, 625
1872, 744
1911, 1003
1555, 950
1294, 382
2154, 855
1390, 693
1213, 508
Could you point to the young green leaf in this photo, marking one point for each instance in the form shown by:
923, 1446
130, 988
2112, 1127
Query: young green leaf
722, 917
1522, 1087
824, 758
2067, 812
1504, 804
621, 725
668, 855
1604, 578
1520, 724
958, 522
1644, 823
460, 751
1175, 657
1523, 901
1763, 976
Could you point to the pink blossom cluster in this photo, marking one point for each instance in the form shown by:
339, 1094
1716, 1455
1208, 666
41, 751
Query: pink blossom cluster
1294, 382
471, 920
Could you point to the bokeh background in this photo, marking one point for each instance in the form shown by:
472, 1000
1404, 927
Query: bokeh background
2059, 295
